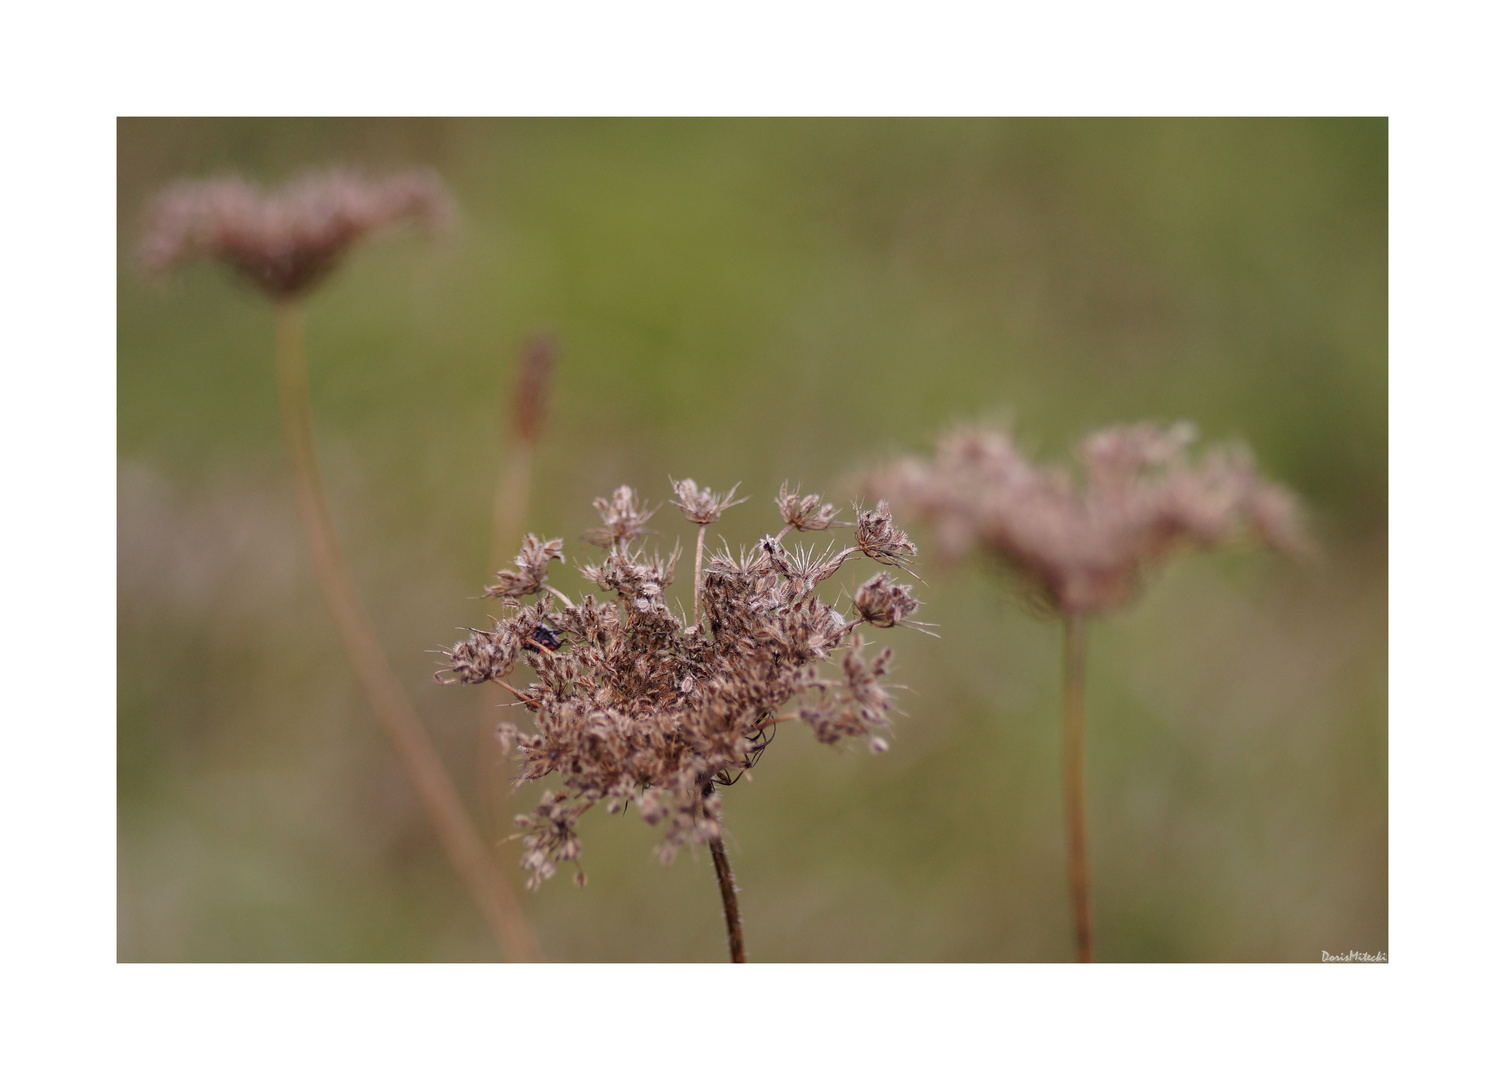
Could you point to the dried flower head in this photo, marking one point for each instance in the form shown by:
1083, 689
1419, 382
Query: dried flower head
883, 602
1083, 547
532, 567
702, 506
879, 539
289, 240
622, 518
635, 704
805, 513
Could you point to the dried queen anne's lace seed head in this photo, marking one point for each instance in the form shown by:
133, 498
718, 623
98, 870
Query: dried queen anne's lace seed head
633, 704
1084, 547
285, 241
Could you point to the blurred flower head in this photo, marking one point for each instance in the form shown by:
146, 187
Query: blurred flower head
285, 241
635, 704
1082, 545
530, 391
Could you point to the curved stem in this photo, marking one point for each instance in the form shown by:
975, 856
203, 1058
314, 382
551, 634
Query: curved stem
728, 899
1075, 783
425, 769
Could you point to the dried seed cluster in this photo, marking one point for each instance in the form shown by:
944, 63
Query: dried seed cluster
635, 704
289, 240
1083, 547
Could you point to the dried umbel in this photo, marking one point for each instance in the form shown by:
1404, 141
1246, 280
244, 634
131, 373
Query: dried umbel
1083, 547
285, 241
634, 704
1079, 548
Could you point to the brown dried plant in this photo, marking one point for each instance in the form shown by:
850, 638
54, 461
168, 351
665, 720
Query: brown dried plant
286, 243
1083, 548
635, 705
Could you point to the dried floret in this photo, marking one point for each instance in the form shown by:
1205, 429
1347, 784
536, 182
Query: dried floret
805, 513
879, 539
490, 655
622, 518
532, 568
702, 506
883, 602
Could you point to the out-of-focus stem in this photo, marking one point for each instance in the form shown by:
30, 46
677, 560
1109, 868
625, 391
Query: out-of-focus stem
511, 505
1075, 783
425, 769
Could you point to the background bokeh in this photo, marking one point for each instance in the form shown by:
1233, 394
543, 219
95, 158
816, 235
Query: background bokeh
748, 301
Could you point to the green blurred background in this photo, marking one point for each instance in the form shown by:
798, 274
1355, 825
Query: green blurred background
749, 301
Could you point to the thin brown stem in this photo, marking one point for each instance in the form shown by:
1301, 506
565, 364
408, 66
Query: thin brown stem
424, 767
1075, 783
699, 550
728, 900
515, 692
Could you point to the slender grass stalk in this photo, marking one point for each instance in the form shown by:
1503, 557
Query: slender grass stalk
1075, 782
425, 769
728, 885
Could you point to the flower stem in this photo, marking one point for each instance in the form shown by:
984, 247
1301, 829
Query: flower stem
425, 768
728, 897
728, 901
1075, 784
699, 550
